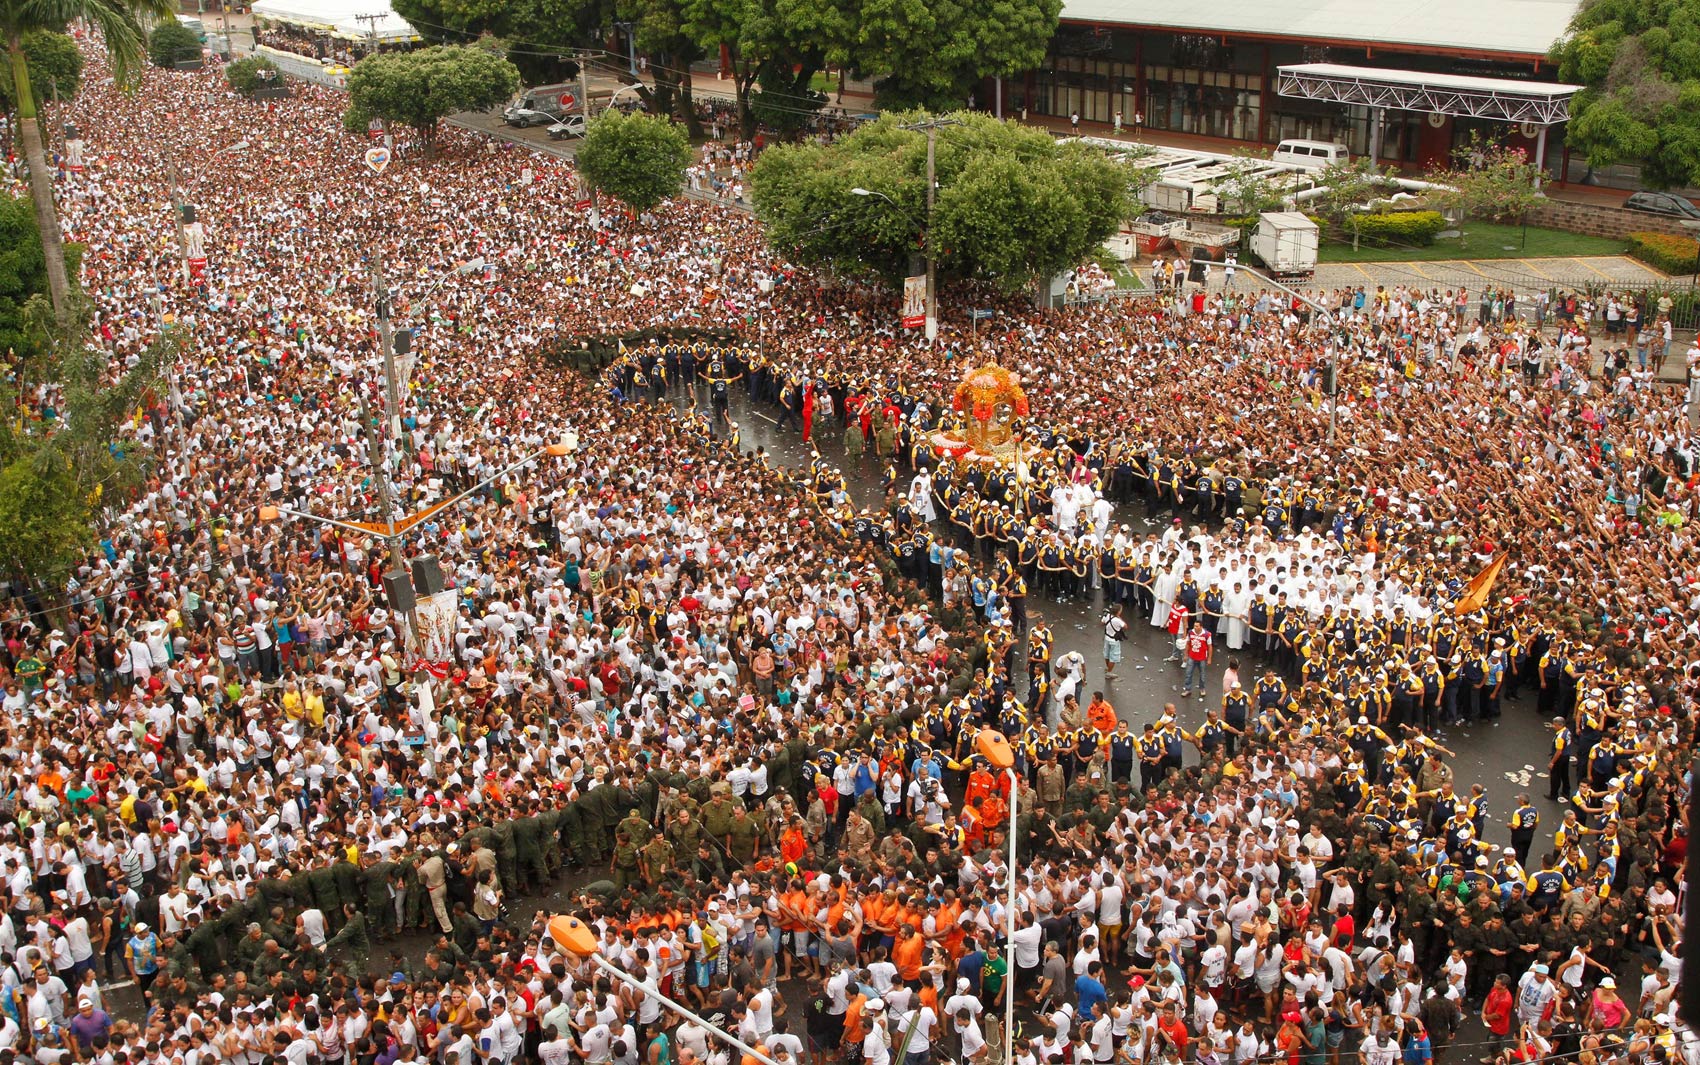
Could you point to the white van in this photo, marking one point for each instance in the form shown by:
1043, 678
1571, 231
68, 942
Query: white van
1315, 154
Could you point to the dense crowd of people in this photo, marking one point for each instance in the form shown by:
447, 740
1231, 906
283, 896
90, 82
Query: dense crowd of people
739, 708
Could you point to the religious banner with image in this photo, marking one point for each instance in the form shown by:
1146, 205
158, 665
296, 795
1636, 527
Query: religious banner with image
434, 624
915, 301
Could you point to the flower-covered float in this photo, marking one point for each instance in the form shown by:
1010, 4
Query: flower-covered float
990, 408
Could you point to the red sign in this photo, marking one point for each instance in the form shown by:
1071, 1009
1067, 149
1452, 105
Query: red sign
582, 204
567, 100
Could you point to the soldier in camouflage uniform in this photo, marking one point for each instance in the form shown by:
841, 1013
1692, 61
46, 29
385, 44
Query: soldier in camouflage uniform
354, 937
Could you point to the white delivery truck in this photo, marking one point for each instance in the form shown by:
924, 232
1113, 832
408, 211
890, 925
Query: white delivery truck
1286, 241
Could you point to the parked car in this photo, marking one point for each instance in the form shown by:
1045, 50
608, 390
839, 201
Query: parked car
1664, 203
571, 126
524, 117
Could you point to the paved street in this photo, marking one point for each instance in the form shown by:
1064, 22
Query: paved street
1518, 744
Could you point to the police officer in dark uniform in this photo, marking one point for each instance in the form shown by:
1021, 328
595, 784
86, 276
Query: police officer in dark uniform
719, 379
1524, 821
1232, 489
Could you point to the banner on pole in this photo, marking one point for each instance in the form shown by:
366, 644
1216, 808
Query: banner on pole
195, 242
915, 301
435, 618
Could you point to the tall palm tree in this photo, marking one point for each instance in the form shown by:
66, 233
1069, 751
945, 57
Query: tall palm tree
120, 25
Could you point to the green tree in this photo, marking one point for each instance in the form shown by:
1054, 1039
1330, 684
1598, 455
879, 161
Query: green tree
932, 53
1012, 204
56, 68
1350, 185
534, 31
68, 458
23, 276
421, 87
660, 28
1486, 180
637, 158
171, 43
771, 38
784, 103
119, 22
244, 74
1639, 61
1248, 188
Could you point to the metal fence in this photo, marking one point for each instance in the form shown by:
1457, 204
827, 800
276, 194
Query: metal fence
1072, 299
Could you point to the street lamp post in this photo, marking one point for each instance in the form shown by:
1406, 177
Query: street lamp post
932, 328
576, 938
764, 285
994, 747
182, 209
931, 125
631, 46
393, 530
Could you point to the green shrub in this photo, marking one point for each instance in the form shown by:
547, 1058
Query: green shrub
1413, 229
244, 74
1665, 251
171, 43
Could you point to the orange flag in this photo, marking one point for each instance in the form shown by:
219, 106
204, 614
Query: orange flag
1476, 594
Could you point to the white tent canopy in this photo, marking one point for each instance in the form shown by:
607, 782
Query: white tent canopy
338, 18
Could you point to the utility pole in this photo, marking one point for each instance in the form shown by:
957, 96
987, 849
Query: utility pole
378, 457
584, 108
371, 22
932, 260
157, 298
177, 208
224, 14
931, 125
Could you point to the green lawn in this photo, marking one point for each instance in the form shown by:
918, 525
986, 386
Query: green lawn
1118, 270
1485, 240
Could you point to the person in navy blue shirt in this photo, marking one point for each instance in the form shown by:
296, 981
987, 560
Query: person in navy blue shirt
970, 966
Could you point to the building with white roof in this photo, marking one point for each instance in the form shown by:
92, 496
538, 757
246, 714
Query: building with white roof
1212, 69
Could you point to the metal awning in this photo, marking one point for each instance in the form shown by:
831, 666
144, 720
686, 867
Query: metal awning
1503, 99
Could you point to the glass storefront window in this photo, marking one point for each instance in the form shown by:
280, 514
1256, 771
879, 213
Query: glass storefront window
1211, 103
1095, 89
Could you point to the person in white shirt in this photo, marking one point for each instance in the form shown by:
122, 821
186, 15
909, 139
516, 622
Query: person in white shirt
1101, 1035
968, 1034
920, 1025
595, 1046
876, 1045
506, 1041
1213, 966
761, 1014
557, 1051
174, 910
1028, 938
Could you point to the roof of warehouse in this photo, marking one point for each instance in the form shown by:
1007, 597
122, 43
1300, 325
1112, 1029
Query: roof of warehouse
1525, 27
